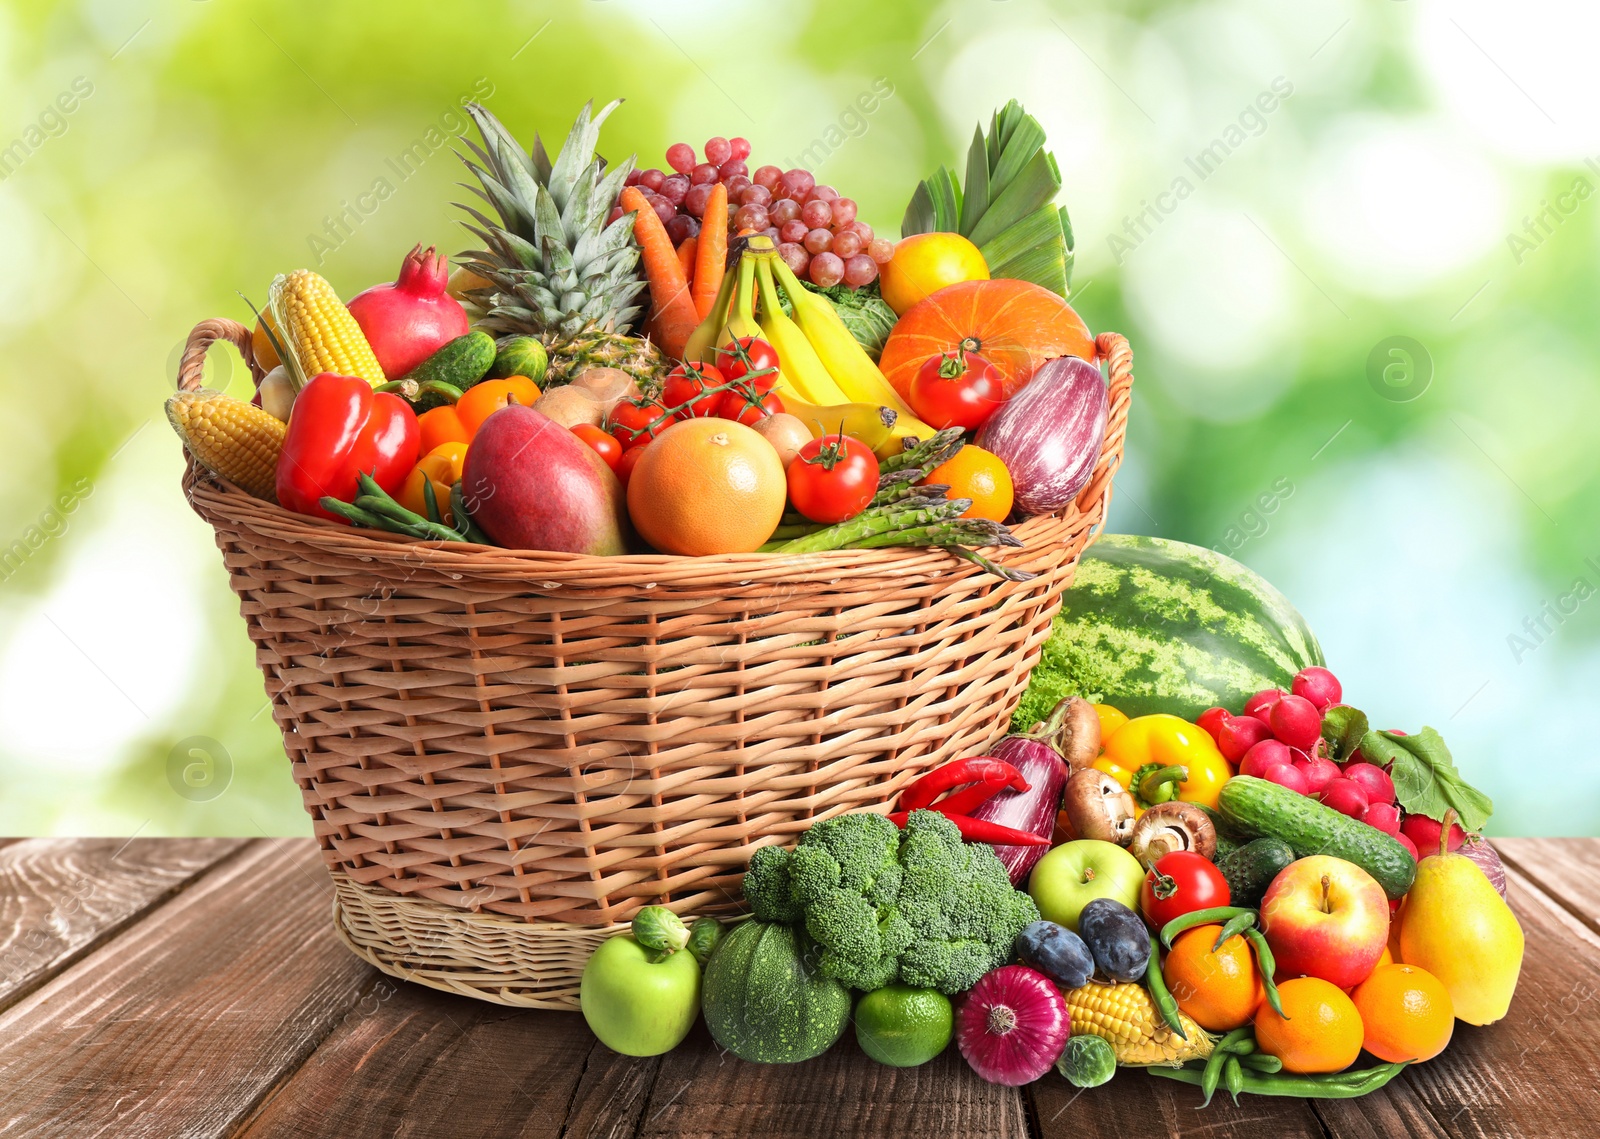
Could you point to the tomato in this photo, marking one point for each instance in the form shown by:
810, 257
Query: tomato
752, 357
748, 409
606, 446
1180, 883
630, 459
686, 390
637, 421
833, 478
957, 389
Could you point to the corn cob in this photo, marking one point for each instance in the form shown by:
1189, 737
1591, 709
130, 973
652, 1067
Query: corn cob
317, 331
1126, 1016
229, 437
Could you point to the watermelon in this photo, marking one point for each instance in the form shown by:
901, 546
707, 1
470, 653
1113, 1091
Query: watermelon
1151, 625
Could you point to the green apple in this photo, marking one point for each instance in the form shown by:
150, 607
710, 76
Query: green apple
1075, 873
635, 1004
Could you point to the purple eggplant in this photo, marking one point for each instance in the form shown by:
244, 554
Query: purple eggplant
1049, 435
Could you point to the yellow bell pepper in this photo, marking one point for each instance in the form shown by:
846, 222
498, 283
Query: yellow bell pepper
1110, 719
441, 467
1160, 758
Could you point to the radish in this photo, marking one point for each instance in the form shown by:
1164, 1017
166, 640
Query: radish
1238, 735
1373, 779
1382, 816
1288, 775
1345, 796
1261, 703
1296, 721
411, 319
1424, 832
1263, 757
1404, 840
1319, 772
1319, 686
1012, 1025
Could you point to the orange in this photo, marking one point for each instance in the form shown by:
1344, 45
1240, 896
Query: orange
1015, 325
979, 475
926, 263
1220, 990
707, 486
1322, 1032
261, 348
1384, 958
1406, 1011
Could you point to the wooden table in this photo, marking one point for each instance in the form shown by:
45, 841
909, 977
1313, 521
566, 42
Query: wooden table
194, 987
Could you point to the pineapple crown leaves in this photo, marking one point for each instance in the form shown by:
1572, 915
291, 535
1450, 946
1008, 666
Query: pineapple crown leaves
554, 261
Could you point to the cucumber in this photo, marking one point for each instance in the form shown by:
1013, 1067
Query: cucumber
1251, 868
461, 363
1267, 810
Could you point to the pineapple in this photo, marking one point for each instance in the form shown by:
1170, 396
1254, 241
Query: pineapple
555, 269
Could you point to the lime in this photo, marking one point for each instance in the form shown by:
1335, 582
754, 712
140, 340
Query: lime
903, 1027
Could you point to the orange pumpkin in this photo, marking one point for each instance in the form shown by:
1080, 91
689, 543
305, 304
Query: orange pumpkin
1015, 325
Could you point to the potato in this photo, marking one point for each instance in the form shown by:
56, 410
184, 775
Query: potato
570, 406
607, 386
786, 433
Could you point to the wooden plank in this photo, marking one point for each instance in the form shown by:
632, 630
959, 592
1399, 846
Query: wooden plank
183, 1022
1161, 1107
1567, 869
409, 1060
1533, 1073
701, 1092
60, 897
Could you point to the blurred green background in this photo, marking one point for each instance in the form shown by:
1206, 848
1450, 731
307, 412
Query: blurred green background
1364, 320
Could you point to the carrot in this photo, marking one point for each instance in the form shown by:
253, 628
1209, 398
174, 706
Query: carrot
711, 257
686, 253
672, 314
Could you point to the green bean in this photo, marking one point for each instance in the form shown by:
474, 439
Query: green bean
1268, 966
465, 526
1262, 1062
1339, 1085
431, 500
1233, 1078
353, 513
1219, 1057
1157, 984
1199, 917
1244, 1046
1236, 925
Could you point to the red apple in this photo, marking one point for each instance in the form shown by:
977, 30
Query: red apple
1325, 917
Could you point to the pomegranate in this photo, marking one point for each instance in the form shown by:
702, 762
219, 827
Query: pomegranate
412, 318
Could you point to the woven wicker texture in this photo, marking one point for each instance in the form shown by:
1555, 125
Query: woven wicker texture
564, 739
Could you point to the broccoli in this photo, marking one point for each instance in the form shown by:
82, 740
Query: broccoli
919, 905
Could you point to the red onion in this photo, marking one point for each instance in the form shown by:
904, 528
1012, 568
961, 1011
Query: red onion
1012, 1025
1050, 433
1488, 860
1033, 810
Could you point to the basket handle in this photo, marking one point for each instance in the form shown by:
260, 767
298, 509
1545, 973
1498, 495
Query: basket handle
1094, 499
192, 365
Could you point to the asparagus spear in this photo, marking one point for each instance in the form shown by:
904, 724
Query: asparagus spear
911, 512
926, 455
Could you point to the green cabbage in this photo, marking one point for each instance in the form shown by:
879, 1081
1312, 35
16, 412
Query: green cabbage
864, 312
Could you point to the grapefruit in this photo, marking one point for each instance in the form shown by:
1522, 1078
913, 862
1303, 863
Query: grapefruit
926, 263
707, 486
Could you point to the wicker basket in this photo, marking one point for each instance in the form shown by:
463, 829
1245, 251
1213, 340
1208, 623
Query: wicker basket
506, 754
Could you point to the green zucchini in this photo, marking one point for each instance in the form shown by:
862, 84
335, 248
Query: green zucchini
460, 363
1251, 868
1266, 810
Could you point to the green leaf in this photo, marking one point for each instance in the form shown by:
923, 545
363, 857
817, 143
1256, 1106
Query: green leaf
1031, 250
919, 212
1036, 186
946, 201
1344, 727
977, 188
1018, 150
1072, 251
1426, 781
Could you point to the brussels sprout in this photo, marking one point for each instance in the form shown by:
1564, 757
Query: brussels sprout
660, 930
1087, 1061
703, 937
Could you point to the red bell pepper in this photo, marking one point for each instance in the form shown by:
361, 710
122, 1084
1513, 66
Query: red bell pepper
338, 429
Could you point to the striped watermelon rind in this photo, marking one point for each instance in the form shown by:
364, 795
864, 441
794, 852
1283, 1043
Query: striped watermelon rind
1150, 625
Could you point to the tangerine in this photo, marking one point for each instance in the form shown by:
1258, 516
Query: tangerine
979, 475
926, 263
1406, 1013
1221, 990
1015, 325
1320, 1030
707, 486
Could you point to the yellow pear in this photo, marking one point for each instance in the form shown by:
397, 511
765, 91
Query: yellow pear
1456, 926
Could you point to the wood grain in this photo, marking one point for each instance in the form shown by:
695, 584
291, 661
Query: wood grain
59, 897
1567, 869
1161, 1107
180, 1024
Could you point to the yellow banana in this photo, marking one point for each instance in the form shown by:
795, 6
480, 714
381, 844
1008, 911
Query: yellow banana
741, 310
869, 423
702, 343
806, 375
847, 362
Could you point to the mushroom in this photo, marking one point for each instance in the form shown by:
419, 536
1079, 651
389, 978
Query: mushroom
1078, 738
1167, 827
1098, 807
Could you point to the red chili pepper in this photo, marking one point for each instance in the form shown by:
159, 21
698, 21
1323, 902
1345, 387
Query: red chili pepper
980, 830
339, 429
990, 774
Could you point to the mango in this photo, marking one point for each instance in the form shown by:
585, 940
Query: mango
1457, 926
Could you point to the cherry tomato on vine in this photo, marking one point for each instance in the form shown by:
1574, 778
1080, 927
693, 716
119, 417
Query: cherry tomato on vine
687, 392
605, 445
832, 478
635, 421
630, 459
957, 389
1180, 883
745, 357
737, 405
